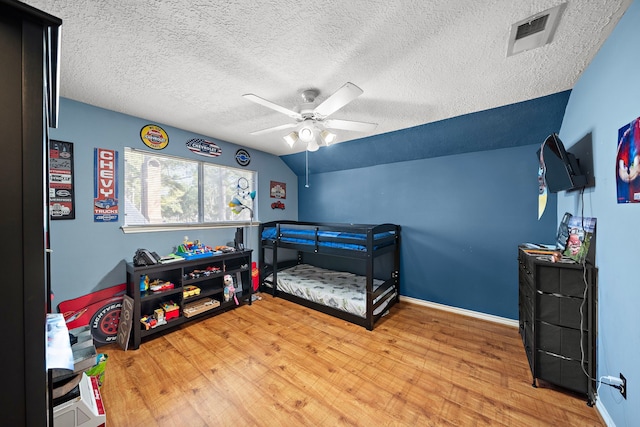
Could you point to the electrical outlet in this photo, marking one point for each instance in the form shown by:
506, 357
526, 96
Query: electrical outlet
623, 387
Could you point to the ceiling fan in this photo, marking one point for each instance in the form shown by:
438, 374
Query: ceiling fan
311, 123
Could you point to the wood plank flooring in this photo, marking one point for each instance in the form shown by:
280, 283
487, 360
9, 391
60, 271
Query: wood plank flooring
279, 364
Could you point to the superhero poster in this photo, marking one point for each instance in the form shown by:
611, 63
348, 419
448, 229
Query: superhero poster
628, 163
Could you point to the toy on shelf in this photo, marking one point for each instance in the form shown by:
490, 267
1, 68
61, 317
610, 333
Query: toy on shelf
148, 322
195, 274
190, 291
200, 306
229, 289
159, 285
152, 321
144, 283
193, 250
171, 310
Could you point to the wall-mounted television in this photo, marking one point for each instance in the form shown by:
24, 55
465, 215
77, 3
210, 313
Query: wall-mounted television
562, 169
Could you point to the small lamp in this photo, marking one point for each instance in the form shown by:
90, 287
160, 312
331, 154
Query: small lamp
313, 145
306, 133
327, 137
291, 138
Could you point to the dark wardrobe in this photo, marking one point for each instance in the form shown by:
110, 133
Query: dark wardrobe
28, 106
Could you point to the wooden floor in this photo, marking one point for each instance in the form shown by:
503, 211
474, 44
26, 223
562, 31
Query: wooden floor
279, 364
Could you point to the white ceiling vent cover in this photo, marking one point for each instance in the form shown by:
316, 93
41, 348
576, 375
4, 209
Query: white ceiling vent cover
535, 31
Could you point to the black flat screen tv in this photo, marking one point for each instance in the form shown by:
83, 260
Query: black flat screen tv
562, 169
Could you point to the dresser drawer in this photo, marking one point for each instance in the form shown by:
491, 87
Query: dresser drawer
561, 311
560, 371
560, 340
563, 281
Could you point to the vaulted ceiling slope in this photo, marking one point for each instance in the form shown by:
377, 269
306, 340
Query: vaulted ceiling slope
514, 125
187, 64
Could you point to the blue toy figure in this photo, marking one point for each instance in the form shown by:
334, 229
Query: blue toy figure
144, 283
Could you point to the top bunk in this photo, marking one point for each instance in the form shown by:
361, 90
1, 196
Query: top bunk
351, 240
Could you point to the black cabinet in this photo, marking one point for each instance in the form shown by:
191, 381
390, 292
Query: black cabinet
198, 291
28, 100
557, 315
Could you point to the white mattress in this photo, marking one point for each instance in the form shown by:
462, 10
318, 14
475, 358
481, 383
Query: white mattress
337, 289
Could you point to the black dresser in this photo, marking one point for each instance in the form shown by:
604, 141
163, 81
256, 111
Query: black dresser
557, 312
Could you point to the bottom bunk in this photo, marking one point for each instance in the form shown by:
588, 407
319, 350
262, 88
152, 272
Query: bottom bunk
338, 293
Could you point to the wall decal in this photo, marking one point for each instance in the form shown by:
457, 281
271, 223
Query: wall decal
154, 137
203, 147
277, 205
61, 198
243, 157
278, 190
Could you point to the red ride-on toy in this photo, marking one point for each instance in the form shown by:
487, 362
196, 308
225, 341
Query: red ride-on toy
100, 310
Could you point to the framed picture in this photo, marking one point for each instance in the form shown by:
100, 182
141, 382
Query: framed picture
61, 196
278, 190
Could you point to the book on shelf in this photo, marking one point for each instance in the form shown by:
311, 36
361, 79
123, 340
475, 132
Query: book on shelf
581, 233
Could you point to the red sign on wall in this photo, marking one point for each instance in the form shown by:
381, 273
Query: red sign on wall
105, 187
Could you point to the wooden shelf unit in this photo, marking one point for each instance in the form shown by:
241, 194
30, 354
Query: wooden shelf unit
237, 264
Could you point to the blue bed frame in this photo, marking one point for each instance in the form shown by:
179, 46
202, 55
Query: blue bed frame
369, 250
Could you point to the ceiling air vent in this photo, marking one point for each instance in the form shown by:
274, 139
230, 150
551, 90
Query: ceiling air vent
535, 31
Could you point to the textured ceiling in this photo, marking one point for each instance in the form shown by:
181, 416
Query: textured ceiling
187, 63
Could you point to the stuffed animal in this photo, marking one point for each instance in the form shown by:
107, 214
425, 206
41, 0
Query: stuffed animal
229, 289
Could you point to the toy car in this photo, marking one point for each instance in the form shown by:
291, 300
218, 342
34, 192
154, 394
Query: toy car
277, 205
190, 290
159, 285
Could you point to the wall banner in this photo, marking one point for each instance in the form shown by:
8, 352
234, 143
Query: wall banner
105, 186
61, 198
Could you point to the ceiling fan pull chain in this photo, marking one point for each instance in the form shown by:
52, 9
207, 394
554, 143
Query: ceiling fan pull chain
306, 159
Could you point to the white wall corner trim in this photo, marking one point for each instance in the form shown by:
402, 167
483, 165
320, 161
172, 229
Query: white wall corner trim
604, 414
464, 312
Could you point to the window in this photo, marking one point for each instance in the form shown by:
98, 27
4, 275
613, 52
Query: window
161, 189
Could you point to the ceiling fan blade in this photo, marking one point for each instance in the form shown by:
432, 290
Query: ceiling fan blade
349, 125
269, 104
263, 131
339, 99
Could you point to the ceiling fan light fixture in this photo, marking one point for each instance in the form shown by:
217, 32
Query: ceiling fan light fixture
312, 145
291, 138
306, 133
327, 137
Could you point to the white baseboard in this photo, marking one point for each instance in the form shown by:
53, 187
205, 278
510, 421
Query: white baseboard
464, 312
604, 414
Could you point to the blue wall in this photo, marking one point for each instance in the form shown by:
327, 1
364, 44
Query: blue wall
89, 256
462, 218
607, 97
523, 123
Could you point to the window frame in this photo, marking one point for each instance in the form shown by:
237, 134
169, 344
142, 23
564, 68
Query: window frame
201, 224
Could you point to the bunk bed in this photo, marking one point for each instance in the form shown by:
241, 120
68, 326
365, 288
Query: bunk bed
350, 271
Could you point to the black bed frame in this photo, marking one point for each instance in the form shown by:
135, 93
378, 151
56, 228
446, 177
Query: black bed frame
380, 260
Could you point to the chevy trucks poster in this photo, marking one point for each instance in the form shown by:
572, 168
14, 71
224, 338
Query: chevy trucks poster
105, 186
61, 198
